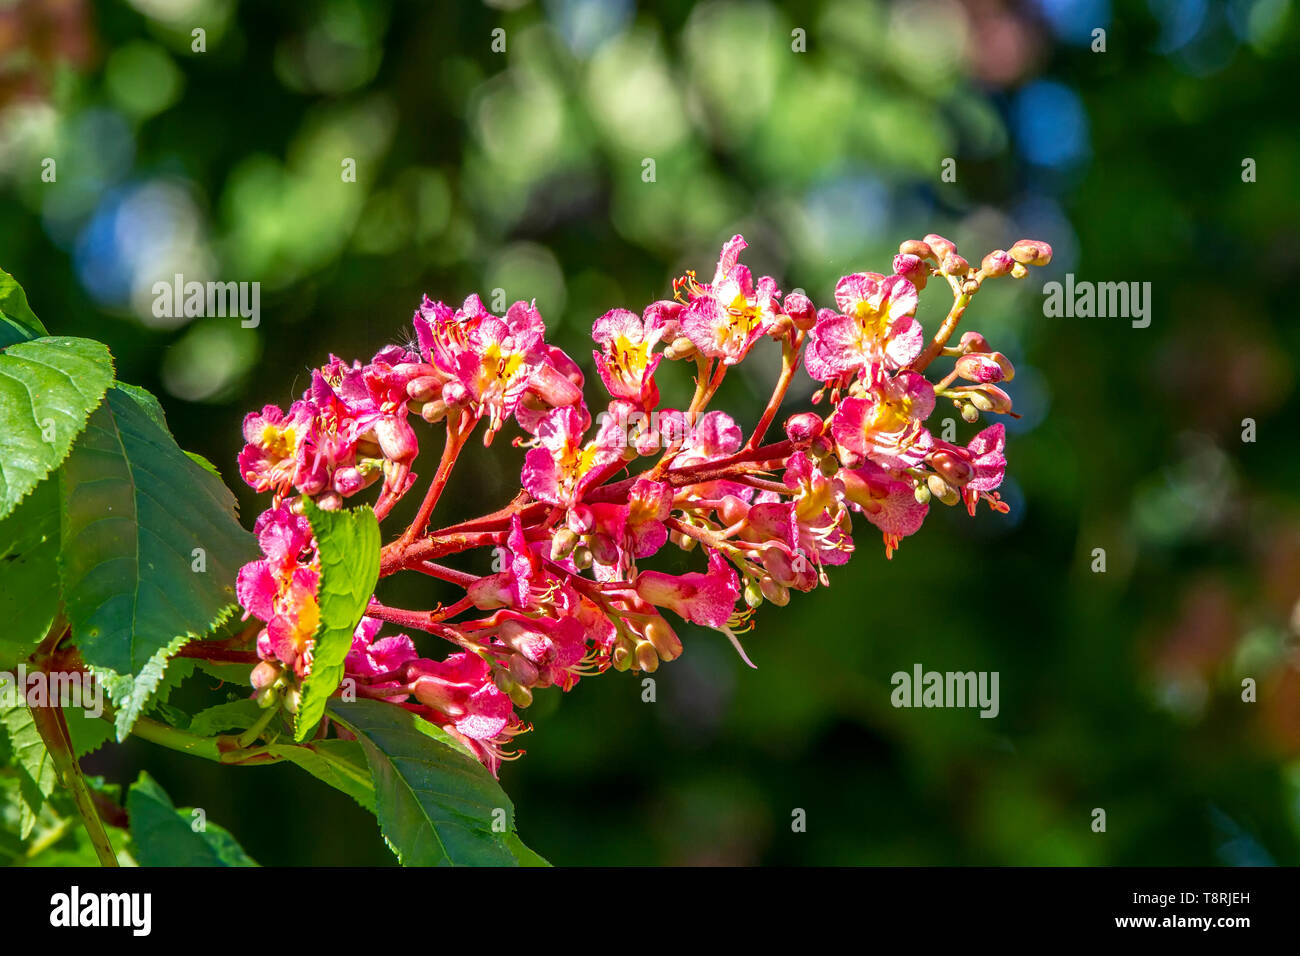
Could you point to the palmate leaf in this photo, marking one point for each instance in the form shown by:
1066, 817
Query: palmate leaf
151, 548
29, 572
48, 388
436, 804
348, 543
166, 836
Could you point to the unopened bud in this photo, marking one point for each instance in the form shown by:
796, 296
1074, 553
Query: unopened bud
922, 495
293, 700
955, 265
956, 470
264, 675
666, 643
911, 268
753, 593
681, 541
563, 543
1018, 271
983, 367
520, 695
941, 247
682, 348
732, 509
603, 549
623, 657
969, 413
801, 310
581, 557
646, 658
434, 412
778, 595
942, 490
989, 398
1032, 252
915, 247
829, 465
804, 427
997, 263
425, 388
974, 342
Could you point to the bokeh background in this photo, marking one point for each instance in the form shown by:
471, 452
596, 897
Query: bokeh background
523, 170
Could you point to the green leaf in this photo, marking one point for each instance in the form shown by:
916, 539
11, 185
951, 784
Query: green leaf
29, 572
48, 388
17, 321
86, 733
233, 715
348, 542
165, 836
436, 804
339, 763
151, 549
37, 776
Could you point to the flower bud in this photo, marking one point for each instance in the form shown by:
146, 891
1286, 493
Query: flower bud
666, 643
520, 696
264, 675
753, 593
563, 543
922, 495
1032, 252
433, 412
732, 509
623, 657
915, 247
942, 490
682, 541
974, 342
581, 557
523, 672
969, 413
778, 595
646, 658
804, 427
292, 700
829, 466
997, 263
603, 549
941, 247
425, 388
989, 398
801, 310
956, 471
982, 367
1018, 271
911, 268
397, 438
682, 348
955, 265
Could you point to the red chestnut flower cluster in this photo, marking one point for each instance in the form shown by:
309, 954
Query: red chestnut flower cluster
600, 494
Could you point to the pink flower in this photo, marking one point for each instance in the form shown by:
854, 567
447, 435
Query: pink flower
726, 317
876, 327
627, 364
707, 598
490, 360
888, 502
887, 425
374, 658
561, 468
462, 697
275, 458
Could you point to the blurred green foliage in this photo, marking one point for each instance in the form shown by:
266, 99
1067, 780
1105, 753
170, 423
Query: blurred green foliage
819, 131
